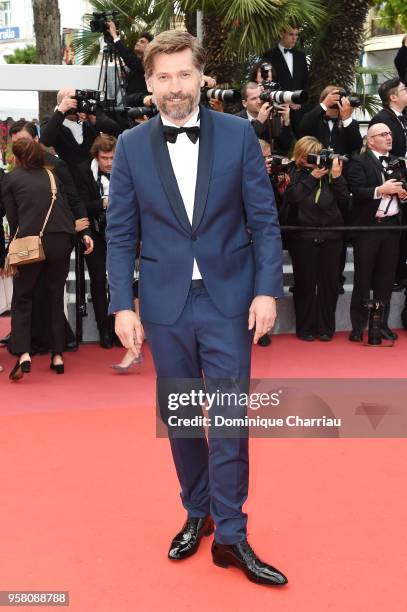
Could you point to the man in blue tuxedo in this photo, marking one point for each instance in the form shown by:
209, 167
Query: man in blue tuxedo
191, 185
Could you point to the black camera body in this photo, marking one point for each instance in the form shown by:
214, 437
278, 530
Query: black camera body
397, 169
280, 164
138, 112
88, 100
353, 101
275, 96
99, 22
325, 158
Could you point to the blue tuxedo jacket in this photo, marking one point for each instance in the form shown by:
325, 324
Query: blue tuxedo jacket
234, 236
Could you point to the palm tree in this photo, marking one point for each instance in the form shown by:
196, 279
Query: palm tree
48, 43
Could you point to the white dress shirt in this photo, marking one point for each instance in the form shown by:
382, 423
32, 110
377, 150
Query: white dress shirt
388, 206
289, 59
184, 159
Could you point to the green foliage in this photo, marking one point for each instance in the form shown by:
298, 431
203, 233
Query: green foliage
28, 55
366, 84
392, 12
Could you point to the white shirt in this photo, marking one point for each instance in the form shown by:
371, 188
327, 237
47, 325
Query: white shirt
76, 129
288, 58
94, 166
345, 122
250, 117
388, 206
184, 159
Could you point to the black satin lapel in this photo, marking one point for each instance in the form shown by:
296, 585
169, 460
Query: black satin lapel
166, 173
205, 161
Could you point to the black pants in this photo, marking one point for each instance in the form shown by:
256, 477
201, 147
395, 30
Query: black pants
375, 256
55, 268
96, 263
316, 269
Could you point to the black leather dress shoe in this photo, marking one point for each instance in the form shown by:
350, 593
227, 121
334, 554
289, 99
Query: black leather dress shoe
306, 337
241, 555
388, 334
264, 340
325, 337
186, 542
106, 340
356, 336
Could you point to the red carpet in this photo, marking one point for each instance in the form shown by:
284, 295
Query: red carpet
90, 497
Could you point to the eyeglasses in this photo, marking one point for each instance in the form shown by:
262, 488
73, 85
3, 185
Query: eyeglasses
381, 134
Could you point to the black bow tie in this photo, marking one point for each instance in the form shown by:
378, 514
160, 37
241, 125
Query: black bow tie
106, 174
288, 51
171, 133
383, 158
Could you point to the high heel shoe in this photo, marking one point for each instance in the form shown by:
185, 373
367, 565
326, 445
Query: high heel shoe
123, 369
17, 372
58, 367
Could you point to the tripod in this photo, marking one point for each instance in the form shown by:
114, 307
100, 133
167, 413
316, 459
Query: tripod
112, 78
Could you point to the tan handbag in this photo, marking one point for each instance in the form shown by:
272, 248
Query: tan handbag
29, 249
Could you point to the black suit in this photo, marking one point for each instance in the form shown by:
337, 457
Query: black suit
90, 194
135, 80
286, 81
55, 134
400, 61
389, 118
343, 140
282, 144
27, 197
376, 252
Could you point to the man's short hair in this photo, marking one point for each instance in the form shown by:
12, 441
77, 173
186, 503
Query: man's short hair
22, 124
387, 89
249, 85
173, 41
103, 142
328, 90
146, 35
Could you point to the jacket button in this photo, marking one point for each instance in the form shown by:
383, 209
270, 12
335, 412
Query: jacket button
194, 237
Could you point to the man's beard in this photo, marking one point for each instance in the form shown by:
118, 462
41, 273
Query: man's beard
185, 107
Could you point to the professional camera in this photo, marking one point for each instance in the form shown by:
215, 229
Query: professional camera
138, 112
88, 99
99, 23
284, 97
280, 164
224, 95
353, 101
397, 169
325, 158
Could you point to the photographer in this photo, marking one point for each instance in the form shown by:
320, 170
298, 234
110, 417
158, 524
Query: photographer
72, 132
291, 71
331, 122
259, 114
93, 185
315, 198
376, 201
132, 58
393, 94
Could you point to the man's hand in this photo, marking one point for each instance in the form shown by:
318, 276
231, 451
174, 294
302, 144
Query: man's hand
68, 104
403, 195
210, 82
112, 29
295, 107
216, 105
262, 314
345, 109
390, 187
148, 100
264, 112
87, 117
331, 99
284, 112
88, 242
130, 330
81, 224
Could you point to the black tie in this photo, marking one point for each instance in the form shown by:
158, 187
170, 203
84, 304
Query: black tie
383, 158
171, 133
106, 174
288, 51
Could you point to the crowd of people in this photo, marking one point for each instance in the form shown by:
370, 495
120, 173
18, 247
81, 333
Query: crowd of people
358, 184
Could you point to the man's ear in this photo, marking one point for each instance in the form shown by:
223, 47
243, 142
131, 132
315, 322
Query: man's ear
149, 88
203, 82
244, 103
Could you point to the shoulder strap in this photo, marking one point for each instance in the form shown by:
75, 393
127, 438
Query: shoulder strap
53, 198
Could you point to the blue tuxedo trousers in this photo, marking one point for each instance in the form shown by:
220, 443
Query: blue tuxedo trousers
213, 474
